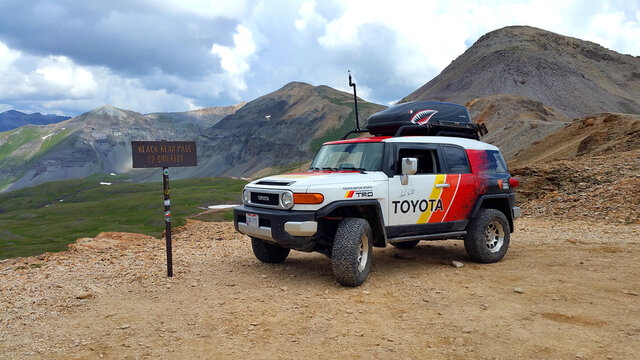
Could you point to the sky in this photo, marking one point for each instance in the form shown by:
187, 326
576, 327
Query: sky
67, 57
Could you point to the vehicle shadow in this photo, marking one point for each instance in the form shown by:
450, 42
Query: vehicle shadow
388, 262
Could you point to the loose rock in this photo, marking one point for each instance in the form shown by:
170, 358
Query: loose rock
84, 295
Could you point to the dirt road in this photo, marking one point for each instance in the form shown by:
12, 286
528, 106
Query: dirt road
565, 290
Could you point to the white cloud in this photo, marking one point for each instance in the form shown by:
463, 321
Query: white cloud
308, 17
7, 56
60, 75
56, 83
235, 61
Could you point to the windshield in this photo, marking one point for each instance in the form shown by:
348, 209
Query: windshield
353, 156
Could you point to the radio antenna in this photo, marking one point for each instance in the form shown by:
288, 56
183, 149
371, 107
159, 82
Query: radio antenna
355, 102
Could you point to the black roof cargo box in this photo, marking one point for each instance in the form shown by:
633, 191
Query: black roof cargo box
424, 118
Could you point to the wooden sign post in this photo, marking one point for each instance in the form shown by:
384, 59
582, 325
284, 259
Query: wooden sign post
164, 154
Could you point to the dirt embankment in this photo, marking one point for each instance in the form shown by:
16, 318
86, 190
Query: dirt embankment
598, 188
566, 289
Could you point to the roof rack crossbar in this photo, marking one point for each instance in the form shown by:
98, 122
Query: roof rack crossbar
402, 128
471, 133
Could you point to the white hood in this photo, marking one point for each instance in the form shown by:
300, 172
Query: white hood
301, 182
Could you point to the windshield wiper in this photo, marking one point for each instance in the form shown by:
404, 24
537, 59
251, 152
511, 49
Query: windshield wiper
313, 168
329, 168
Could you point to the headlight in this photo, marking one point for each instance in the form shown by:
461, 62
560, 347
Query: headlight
286, 200
245, 196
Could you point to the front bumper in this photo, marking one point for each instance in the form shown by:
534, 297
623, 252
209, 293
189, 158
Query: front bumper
291, 229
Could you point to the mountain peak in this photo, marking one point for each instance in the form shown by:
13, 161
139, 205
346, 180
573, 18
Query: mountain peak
109, 110
543, 66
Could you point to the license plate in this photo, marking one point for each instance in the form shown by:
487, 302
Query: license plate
253, 220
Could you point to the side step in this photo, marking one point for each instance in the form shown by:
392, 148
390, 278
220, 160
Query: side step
440, 236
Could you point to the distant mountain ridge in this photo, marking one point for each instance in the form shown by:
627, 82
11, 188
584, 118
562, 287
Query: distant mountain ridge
14, 119
276, 129
205, 117
97, 141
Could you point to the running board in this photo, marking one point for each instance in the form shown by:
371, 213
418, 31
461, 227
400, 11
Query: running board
441, 236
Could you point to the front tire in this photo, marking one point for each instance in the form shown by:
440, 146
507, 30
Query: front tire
351, 251
488, 236
268, 253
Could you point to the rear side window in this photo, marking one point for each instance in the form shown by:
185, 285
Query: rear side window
496, 163
456, 158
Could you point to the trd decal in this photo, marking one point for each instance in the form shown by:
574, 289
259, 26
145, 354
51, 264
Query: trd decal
358, 194
423, 116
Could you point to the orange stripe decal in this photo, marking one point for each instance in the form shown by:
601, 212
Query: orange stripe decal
447, 198
433, 199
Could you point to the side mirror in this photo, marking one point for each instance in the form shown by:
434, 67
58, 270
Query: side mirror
409, 167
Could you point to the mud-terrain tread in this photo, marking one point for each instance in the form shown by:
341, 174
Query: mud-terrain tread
406, 244
268, 253
474, 242
345, 251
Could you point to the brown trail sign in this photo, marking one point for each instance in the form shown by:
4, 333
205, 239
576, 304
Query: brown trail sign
164, 154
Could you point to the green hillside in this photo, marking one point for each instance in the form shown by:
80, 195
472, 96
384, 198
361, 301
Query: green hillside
50, 216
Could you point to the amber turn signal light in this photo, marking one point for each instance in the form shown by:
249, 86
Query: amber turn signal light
308, 198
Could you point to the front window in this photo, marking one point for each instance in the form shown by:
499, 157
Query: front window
352, 156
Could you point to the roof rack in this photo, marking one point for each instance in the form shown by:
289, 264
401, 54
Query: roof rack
425, 118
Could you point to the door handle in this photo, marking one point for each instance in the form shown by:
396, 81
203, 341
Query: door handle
442, 185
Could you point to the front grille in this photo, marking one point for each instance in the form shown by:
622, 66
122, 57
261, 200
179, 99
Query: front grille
264, 198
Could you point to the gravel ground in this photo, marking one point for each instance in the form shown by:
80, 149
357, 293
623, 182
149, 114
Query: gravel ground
566, 289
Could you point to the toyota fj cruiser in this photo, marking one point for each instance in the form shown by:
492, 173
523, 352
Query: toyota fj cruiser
422, 175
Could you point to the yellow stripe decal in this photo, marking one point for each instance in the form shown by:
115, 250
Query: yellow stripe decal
435, 195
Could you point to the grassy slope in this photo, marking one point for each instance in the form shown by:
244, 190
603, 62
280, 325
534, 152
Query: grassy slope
19, 137
34, 220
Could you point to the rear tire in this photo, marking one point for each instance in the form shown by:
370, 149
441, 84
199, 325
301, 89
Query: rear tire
488, 236
406, 244
351, 252
268, 253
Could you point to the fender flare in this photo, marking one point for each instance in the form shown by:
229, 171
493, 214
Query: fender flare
377, 226
503, 197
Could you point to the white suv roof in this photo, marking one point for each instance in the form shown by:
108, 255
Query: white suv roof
465, 143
